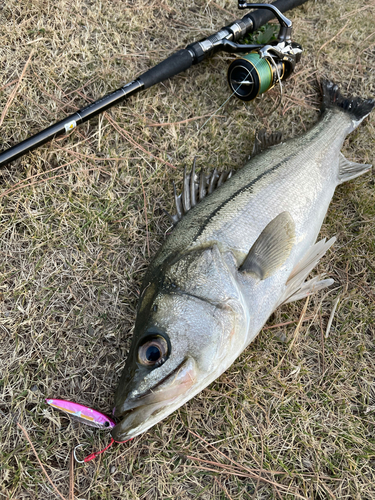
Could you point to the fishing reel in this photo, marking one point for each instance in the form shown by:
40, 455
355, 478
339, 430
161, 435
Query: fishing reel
264, 65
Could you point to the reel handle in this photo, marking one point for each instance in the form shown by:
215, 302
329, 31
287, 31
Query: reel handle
285, 23
263, 16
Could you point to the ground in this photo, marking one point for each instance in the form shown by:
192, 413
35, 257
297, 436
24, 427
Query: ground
81, 217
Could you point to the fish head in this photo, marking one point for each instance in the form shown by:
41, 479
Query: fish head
188, 326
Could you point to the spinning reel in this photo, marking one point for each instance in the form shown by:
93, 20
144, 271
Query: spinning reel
263, 65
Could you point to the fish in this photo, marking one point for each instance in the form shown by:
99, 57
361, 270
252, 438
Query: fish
242, 245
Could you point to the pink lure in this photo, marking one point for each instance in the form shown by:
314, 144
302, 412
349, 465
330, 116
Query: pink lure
82, 413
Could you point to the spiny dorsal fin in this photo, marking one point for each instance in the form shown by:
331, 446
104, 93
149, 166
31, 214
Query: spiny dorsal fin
195, 188
263, 141
272, 248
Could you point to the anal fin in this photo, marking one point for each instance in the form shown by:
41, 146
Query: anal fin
309, 287
350, 170
296, 286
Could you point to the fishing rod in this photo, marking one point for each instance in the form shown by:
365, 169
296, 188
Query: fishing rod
249, 76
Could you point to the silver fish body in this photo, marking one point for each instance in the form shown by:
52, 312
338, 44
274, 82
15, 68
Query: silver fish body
230, 261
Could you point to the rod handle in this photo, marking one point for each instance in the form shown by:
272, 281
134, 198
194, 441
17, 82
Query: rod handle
176, 63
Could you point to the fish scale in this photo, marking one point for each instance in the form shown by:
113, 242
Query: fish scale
231, 259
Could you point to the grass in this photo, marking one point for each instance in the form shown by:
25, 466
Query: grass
294, 416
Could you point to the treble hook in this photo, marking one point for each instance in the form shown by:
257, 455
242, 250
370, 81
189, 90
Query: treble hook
75, 456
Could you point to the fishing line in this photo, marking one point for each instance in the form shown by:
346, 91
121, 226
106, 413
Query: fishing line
279, 100
281, 87
278, 78
93, 455
224, 103
218, 109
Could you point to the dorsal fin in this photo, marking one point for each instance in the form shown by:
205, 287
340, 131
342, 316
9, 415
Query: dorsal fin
195, 188
263, 141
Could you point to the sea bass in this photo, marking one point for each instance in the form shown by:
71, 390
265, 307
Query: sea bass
232, 259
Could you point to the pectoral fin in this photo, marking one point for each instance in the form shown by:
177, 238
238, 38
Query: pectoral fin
272, 248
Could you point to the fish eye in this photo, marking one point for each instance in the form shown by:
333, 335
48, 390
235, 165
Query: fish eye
153, 352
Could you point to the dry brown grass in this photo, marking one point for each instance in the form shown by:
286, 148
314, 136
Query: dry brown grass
74, 247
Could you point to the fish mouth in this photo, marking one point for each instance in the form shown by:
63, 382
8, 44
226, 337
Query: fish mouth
139, 413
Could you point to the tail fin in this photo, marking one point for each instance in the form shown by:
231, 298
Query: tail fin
356, 107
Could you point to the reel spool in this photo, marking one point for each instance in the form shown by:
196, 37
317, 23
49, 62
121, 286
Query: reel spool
252, 74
